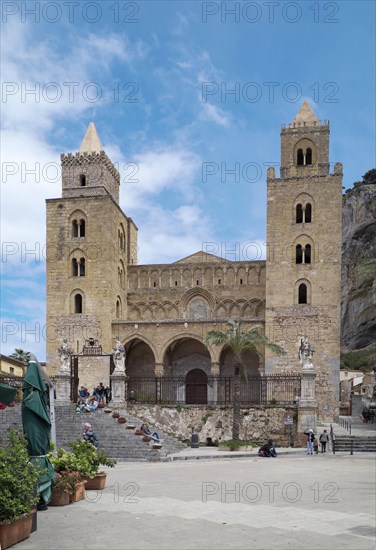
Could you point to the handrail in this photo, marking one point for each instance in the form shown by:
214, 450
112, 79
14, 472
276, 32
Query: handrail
345, 423
332, 439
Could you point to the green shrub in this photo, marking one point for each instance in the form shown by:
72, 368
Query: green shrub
234, 444
18, 479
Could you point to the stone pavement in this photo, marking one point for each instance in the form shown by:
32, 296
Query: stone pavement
213, 453
289, 502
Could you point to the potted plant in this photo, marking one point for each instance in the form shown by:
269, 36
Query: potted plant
66, 464
88, 459
122, 420
65, 485
115, 414
18, 482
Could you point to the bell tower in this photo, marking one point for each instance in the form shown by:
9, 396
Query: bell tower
90, 243
303, 267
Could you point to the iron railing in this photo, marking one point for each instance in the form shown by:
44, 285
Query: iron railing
259, 390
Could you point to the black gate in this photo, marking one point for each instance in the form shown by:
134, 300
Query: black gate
196, 387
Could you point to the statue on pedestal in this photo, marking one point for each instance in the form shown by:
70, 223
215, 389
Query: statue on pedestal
65, 355
119, 354
306, 351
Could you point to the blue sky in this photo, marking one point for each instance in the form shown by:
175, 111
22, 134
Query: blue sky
156, 78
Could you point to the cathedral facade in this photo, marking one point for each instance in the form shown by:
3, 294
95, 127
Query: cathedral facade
161, 313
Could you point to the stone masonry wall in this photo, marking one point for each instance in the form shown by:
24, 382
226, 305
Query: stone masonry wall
257, 424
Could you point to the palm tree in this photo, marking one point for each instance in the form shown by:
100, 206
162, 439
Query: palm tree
21, 355
240, 340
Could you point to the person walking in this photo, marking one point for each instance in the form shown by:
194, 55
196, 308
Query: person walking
324, 438
310, 439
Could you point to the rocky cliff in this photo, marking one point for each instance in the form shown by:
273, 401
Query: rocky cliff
358, 324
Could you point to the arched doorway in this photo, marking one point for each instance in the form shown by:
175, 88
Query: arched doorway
196, 387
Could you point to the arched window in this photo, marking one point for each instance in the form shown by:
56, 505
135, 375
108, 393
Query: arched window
308, 213
74, 228
82, 180
78, 267
302, 294
299, 213
78, 303
300, 158
74, 267
307, 254
309, 156
118, 309
299, 254
82, 227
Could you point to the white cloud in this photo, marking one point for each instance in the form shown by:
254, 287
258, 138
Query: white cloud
215, 114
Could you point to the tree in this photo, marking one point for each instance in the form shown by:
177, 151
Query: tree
240, 340
21, 355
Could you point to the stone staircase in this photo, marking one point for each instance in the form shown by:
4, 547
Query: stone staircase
362, 439
353, 443
120, 442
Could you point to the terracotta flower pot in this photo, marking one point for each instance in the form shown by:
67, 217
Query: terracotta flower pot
59, 498
122, 420
96, 483
115, 414
138, 432
101, 405
12, 404
108, 411
157, 446
146, 438
130, 426
11, 533
79, 494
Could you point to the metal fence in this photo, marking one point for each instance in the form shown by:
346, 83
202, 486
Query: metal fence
219, 390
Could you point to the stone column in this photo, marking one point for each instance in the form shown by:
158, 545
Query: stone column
214, 371
63, 376
158, 370
307, 408
118, 380
62, 387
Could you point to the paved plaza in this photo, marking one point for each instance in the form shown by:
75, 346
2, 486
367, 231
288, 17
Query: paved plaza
293, 501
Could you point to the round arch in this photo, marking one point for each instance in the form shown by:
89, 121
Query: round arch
140, 357
184, 353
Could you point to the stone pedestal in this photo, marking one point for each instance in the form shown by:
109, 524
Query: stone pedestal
63, 388
307, 408
118, 380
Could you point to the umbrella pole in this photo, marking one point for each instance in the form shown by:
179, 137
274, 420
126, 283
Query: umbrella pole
52, 416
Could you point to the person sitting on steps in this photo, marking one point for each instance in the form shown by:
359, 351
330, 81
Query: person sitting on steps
154, 436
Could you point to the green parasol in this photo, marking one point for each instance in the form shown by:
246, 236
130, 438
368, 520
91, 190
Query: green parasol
7, 394
37, 426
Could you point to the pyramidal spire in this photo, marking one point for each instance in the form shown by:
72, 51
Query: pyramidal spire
91, 142
306, 115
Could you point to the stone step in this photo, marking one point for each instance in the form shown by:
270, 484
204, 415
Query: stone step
120, 443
